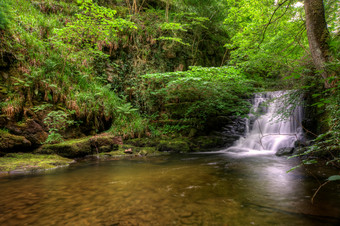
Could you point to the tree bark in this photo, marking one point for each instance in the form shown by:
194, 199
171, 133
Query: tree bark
318, 35
167, 11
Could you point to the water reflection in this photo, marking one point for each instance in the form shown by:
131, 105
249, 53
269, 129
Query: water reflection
205, 189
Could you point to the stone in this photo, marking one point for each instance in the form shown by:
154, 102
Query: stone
284, 151
110, 142
300, 143
70, 149
31, 130
82, 147
174, 145
128, 151
13, 143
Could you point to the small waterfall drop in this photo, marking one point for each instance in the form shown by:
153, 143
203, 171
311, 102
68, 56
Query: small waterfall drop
265, 131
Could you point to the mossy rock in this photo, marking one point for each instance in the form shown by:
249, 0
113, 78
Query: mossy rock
143, 142
69, 149
105, 142
12, 143
82, 147
174, 145
136, 152
208, 142
20, 162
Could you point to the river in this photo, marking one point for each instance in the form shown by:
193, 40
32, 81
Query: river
193, 189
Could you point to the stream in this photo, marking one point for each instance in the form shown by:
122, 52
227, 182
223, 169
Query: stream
246, 184
193, 189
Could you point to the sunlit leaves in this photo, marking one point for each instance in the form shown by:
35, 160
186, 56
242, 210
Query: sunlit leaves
95, 25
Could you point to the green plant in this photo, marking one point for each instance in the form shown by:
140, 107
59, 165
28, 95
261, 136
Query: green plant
126, 109
57, 121
4, 16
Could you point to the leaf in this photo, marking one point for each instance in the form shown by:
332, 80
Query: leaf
334, 178
309, 162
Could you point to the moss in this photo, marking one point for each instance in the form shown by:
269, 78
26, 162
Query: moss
9, 141
143, 142
69, 149
137, 152
31, 162
81, 147
174, 145
207, 142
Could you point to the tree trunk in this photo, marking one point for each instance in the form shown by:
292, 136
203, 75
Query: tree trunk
167, 11
318, 36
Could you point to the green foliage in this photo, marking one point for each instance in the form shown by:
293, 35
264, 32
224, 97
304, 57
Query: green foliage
191, 97
93, 27
57, 121
334, 178
186, 22
126, 109
41, 107
265, 47
4, 16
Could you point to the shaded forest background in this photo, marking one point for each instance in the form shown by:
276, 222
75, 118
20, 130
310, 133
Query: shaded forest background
147, 68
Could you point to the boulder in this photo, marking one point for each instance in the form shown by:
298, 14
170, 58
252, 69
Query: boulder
143, 142
10, 143
31, 130
105, 142
284, 151
82, 147
174, 145
70, 149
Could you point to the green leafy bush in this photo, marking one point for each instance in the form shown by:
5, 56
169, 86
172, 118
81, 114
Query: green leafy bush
57, 121
191, 97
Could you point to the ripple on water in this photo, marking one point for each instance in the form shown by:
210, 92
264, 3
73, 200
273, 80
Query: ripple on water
168, 191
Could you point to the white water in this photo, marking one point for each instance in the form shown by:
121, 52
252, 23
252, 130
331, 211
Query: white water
269, 133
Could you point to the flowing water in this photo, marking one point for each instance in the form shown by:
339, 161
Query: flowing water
220, 188
194, 189
267, 131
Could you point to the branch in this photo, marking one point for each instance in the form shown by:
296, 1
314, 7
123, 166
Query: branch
271, 18
312, 200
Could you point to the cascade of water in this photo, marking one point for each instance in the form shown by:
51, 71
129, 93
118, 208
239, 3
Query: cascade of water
268, 132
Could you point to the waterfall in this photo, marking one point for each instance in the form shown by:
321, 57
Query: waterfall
266, 131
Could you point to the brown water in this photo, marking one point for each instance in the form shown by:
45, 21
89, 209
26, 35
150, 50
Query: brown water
196, 189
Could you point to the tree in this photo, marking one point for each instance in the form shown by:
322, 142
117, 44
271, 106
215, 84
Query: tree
318, 36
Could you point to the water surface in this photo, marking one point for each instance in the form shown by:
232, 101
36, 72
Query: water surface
194, 189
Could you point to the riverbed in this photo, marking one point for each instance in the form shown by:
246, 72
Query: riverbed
190, 189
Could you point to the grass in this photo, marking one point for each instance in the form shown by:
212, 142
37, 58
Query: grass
31, 162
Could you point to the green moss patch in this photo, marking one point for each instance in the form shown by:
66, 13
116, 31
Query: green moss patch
31, 162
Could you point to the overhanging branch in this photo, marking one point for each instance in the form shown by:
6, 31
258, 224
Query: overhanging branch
272, 16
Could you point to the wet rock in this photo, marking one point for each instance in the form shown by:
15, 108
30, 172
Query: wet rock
10, 142
31, 130
107, 148
175, 145
284, 151
208, 142
82, 147
105, 142
143, 142
300, 143
69, 149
